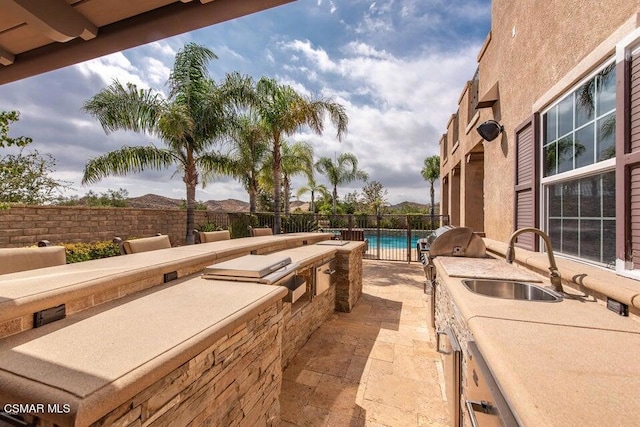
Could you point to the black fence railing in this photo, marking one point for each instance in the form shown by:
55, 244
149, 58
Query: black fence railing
388, 237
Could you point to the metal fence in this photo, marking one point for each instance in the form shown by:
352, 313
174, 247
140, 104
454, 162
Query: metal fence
388, 237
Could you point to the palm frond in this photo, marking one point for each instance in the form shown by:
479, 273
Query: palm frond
117, 107
431, 170
125, 161
190, 73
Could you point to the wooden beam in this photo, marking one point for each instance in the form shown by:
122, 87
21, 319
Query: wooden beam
54, 18
6, 58
170, 20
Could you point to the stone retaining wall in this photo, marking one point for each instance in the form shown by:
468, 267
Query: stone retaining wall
25, 225
236, 381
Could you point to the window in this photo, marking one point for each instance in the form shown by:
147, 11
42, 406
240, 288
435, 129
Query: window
578, 169
473, 95
455, 125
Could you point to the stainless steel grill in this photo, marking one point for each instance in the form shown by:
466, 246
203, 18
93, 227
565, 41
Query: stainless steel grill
449, 241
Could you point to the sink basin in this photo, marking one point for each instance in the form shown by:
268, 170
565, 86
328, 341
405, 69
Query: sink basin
507, 289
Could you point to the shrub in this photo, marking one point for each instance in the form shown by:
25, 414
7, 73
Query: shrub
78, 252
208, 226
298, 223
239, 224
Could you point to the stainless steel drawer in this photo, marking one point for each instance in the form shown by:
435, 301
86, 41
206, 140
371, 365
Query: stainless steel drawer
486, 406
296, 285
325, 277
448, 346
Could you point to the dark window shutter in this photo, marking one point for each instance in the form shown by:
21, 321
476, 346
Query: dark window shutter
526, 188
628, 161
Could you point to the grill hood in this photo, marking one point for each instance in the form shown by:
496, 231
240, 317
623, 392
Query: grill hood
456, 241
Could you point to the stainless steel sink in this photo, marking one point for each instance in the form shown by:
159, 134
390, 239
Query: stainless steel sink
507, 289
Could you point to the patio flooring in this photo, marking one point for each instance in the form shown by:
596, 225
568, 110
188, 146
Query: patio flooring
375, 366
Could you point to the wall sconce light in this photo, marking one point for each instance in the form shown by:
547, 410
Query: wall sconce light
490, 130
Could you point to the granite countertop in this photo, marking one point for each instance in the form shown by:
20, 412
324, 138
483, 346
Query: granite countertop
558, 363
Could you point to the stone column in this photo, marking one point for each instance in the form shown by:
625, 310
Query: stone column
349, 277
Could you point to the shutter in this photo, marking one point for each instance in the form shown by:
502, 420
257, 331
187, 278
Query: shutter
628, 161
526, 182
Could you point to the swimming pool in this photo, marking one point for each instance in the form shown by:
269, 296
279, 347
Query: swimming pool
393, 239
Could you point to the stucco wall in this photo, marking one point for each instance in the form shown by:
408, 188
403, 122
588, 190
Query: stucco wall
533, 46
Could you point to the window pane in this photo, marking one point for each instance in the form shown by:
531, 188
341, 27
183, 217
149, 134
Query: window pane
565, 154
584, 146
555, 200
550, 157
585, 106
555, 234
584, 225
590, 197
606, 137
609, 241
570, 199
609, 195
606, 90
590, 235
570, 237
565, 116
549, 126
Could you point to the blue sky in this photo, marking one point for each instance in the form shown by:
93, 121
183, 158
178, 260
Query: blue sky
397, 66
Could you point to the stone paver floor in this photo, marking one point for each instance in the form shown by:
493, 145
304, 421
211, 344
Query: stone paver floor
375, 366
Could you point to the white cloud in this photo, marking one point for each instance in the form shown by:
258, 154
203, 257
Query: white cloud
156, 71
113, 67
406, 107
318, 56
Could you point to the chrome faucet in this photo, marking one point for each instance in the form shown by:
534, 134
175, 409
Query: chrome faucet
554, 274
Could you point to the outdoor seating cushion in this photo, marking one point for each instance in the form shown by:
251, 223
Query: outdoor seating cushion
261, 232
146, 244
214, 236
21, 259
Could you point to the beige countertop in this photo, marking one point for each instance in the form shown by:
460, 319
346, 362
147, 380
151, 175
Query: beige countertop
29, 291
558, 363
125, 345
98, 358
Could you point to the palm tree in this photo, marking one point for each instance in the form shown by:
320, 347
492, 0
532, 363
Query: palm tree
284, 111
247, 156
431, 172
297, 159
344, 171
313, 188
188, 121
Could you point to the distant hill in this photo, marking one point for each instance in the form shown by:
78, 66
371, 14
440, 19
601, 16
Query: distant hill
409, 205
154, 201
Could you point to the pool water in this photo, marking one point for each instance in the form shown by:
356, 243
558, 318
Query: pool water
397, 241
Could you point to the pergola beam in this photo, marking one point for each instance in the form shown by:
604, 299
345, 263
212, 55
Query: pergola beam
172, 19
54, 18
6, 58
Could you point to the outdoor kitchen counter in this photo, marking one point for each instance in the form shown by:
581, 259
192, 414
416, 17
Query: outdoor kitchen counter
97, 360
564, 363
90, 283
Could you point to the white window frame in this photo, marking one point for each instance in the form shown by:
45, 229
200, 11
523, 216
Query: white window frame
608, 165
